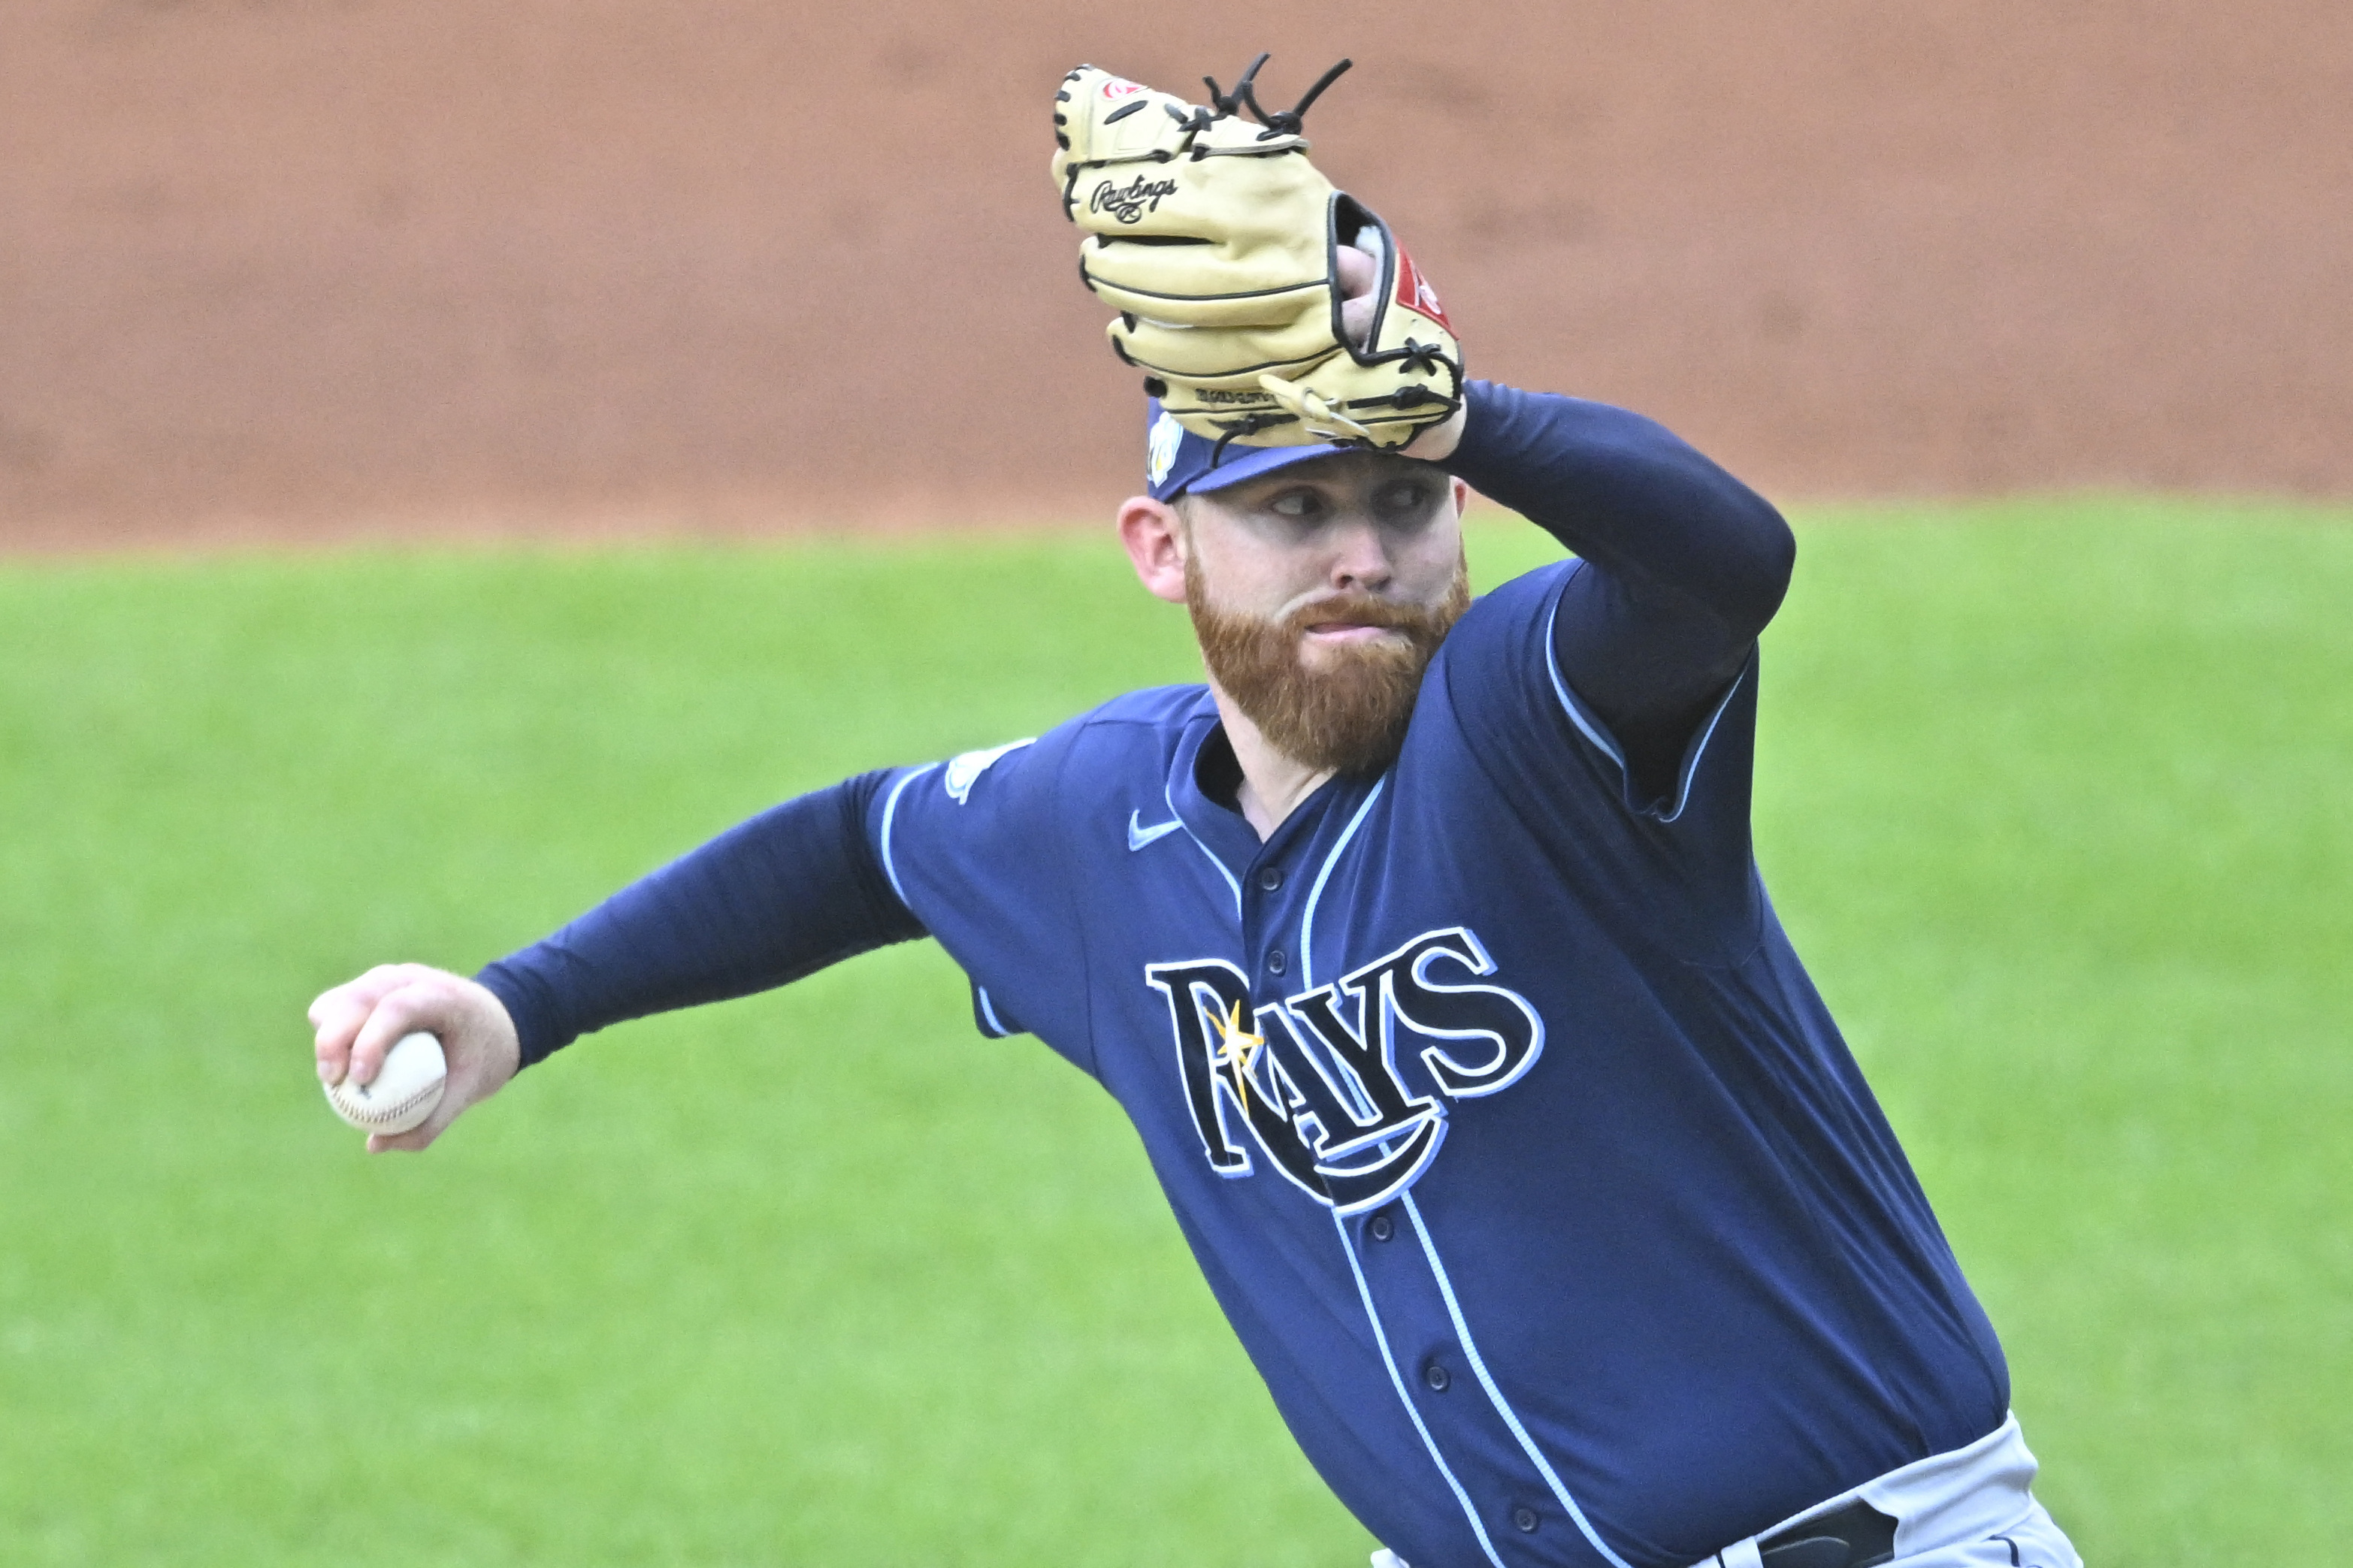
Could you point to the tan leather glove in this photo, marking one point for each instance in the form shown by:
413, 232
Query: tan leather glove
1218, 242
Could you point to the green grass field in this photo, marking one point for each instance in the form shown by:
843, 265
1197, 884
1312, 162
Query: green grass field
2054, 797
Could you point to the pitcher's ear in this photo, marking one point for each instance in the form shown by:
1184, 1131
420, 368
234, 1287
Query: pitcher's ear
1155, 538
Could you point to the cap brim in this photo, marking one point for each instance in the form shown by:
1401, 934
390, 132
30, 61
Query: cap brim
1250, 462
1198, 465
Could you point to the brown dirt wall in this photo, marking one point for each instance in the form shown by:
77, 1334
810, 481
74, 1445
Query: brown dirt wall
319, 268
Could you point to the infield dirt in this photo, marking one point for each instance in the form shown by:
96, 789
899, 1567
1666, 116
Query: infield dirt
338, 268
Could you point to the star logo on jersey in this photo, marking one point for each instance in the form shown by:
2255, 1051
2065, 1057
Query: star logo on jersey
1313, 1084
1139, 835
1237, 1047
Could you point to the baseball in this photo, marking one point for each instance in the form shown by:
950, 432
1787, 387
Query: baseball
404, 1091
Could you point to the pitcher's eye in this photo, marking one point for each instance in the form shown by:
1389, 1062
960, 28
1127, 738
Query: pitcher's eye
1405, 497
1295, 504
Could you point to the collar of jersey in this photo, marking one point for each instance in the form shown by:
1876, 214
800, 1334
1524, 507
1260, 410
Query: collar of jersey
1221, 829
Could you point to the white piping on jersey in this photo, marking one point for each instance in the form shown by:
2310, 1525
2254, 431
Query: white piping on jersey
890, 810
1683, 785
1591, 731
1495, 1394
1429, 1248
989, 1013
1600, 737
1167, 794
1316, 893
1469, 1512
1345, 1081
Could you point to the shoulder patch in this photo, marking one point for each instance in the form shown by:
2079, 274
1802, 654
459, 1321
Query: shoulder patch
964, 771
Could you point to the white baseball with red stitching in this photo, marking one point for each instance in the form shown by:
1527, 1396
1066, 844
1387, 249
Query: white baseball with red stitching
404, 1091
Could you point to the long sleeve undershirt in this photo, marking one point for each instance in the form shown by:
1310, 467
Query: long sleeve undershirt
794, 890
1686, 565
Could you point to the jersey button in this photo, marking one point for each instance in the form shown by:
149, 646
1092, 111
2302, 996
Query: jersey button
1275, 963
1270, 878
1524, 1520
1435, 1375
1381, 1228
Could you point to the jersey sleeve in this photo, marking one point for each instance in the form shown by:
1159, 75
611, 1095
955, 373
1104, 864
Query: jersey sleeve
1564, 773
1684, 564
978, 848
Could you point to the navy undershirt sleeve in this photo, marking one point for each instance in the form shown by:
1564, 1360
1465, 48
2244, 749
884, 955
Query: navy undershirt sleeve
1684, 563
796, 888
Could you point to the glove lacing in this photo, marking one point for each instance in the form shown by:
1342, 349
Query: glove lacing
1282, 122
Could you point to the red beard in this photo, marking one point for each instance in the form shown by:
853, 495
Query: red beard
1350, 714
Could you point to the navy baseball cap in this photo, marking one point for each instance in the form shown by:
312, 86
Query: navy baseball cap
1176, 460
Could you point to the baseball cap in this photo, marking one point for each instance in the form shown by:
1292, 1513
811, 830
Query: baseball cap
1176, 460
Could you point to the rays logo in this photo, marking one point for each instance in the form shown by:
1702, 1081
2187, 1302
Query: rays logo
1311, 1082
1167, 440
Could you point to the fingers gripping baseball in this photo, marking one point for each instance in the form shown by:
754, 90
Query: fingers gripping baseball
356, 1024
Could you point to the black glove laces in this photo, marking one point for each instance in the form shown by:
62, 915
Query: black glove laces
1282, 122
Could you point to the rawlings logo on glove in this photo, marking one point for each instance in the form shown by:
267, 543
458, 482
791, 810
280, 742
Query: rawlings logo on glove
1130, 202
1221, 247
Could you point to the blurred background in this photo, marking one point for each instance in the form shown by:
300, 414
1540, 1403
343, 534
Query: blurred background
292, 267
456, 457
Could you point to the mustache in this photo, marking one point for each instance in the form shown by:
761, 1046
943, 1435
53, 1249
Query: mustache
1358, 609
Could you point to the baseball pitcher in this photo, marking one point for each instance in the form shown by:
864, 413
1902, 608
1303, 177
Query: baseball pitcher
1421, 940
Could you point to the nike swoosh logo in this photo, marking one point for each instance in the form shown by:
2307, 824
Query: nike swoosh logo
1138, 835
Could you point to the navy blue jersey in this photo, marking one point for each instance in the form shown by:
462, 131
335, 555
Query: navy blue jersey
1501, 1117
1504, 1121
